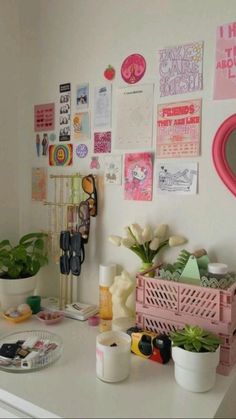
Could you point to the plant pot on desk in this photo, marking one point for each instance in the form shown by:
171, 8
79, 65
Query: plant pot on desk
15, 291
195, 371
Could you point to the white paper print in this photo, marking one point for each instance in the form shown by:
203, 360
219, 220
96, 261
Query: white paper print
134, 117
177, 178
102, 107
113, 169
65, 112
82, 96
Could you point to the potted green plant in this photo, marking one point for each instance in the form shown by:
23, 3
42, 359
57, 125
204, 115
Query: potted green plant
19, 266
196, 354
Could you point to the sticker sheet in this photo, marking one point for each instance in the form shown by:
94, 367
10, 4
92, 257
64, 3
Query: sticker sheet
175, 178
39, 183
81, 126
180, 69
113, 169
61, 155
65, 111
225, 66
102, 142
102, 107
138, 175
134, 117
44, 117
179, 129
82, 96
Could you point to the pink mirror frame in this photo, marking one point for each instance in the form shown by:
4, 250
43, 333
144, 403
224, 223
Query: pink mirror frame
219, 154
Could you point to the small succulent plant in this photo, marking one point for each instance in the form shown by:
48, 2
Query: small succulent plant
195, 339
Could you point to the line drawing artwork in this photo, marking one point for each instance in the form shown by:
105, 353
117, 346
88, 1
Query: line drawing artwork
177, 180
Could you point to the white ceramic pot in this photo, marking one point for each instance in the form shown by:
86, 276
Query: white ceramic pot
16, 291
195, 371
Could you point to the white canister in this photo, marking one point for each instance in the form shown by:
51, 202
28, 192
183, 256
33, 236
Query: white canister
113, 352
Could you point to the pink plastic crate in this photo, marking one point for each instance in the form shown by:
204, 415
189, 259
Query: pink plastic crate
164, 306
185, 303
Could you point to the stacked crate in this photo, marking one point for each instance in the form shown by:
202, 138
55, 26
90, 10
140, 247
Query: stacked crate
163, 306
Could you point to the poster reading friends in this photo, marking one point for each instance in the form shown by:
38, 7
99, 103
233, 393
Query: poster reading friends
225, 66
179, 129
180, 69
138, 175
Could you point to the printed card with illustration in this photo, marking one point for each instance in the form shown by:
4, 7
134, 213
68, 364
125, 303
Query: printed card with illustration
39, 183
138, 176
179, 129
82, 96
180, 69
113, 169
225, 66
177, 178
81, 126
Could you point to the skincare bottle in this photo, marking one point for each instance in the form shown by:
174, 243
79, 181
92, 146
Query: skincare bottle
106, 277
217, 270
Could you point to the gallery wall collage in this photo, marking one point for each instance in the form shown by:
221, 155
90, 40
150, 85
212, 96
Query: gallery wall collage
126, 159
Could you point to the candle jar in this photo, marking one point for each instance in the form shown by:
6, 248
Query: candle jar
113, 352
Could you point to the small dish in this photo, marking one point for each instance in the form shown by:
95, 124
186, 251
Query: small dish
50, 317
19, 318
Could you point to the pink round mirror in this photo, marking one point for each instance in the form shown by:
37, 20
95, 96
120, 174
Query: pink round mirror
224, 152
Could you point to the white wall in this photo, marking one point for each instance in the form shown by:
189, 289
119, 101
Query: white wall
73, 41
9, 163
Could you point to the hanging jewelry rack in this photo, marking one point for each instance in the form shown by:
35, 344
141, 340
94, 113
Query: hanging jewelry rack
67, 195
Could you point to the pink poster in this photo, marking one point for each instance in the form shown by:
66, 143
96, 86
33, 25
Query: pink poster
138, 174
102, 142
39, 184
180, 69
44, 117
179, 129
225, 66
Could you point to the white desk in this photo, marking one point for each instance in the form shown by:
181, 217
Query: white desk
69, 387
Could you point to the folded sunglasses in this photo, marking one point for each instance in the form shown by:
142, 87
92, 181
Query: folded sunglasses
89, 187
73, 256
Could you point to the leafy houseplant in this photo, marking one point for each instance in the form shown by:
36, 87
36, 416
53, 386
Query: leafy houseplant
25, 259
195, 339
18, 268
195, 352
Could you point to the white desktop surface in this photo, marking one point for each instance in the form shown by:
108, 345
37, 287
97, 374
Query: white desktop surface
70, 388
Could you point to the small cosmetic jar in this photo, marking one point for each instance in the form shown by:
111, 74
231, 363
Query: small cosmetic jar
113, 353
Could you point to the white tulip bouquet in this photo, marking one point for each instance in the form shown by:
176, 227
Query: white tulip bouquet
145, 242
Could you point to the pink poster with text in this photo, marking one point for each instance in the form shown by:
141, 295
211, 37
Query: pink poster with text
225, 65
179, 129
138, 175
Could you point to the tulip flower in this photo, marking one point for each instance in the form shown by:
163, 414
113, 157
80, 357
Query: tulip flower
176, 241
145, 242
116, 240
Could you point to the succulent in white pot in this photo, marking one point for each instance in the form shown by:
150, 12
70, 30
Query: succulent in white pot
196, 355
19, 266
